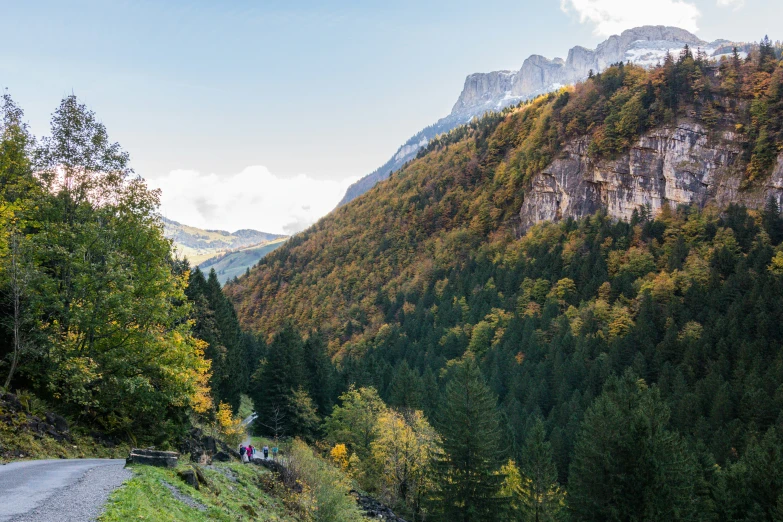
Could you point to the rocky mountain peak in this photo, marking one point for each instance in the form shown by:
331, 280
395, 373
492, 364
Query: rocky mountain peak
482, 92
646, 46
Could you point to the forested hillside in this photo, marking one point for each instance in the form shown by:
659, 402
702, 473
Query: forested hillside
630, 370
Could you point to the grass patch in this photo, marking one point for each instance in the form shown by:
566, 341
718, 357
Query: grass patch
238, 492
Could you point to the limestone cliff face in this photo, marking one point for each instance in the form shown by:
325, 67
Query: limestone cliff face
671, 165
482, 88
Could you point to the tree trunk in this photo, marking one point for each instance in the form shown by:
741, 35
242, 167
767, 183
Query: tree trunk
16, 291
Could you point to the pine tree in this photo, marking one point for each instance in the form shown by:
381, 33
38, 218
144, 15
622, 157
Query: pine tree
754, 484
205, 326
767, 60
275, 382
236, 368
320, 373
470, 478
627, 464
542, 498
407, 387
772, 222
216, 323
304, 417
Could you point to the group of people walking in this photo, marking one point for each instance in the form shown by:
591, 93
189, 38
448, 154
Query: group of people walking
248, 453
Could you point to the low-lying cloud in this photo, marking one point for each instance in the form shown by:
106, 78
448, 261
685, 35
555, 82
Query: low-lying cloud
734, 4
614, 16
254, 198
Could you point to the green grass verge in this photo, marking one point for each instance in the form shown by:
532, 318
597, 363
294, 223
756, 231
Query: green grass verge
251, 493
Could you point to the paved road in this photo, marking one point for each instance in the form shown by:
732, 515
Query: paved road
259, 453
58, 490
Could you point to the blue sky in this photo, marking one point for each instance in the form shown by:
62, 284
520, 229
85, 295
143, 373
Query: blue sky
284, 103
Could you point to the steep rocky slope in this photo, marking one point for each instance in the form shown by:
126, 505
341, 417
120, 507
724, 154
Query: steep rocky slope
680, 164
493, 91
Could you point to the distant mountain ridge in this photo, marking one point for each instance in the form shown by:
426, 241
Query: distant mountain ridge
201, 245
235, 263
493, 91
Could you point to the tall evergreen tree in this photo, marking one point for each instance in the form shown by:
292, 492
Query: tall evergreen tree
237, 366
543, 499
627, 464
753, 487
772, 221
320, 372
215, 322
276, 381
468, 422
407, 387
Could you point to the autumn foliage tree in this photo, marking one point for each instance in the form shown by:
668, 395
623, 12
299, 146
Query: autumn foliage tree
106, 302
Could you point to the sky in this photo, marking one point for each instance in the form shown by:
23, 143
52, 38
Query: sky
259, 114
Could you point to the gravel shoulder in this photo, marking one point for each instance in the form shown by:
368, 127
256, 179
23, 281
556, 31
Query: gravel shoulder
58, 490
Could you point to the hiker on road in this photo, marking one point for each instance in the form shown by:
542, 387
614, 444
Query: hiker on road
243, 453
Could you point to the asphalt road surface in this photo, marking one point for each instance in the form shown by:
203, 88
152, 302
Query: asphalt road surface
58, 490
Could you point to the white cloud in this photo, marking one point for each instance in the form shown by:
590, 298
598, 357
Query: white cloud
734, 4
614, 16
254, 198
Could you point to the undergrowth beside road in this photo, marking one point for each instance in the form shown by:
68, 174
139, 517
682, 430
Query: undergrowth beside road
29, 430
15, 445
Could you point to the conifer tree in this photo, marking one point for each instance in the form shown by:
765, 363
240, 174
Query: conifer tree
320, 373
275, 382
470, 478
407, 387
216, 323
772, 222
542, 498
236, 366
754, 484
627, 464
